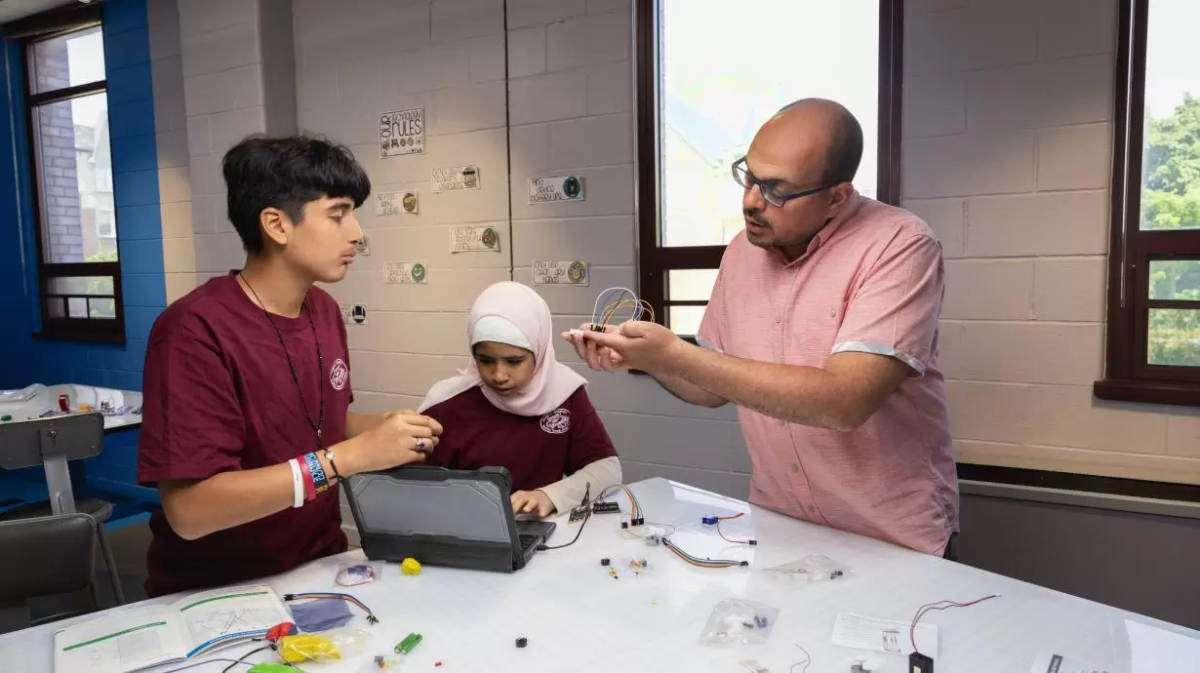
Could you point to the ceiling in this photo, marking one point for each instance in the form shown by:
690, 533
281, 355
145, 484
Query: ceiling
10, 10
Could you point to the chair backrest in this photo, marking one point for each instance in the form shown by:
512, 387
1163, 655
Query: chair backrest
40, 557
30, 443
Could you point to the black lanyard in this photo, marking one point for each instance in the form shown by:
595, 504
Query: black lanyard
296, 379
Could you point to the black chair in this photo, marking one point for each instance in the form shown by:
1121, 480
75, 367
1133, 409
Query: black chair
41, 557
51, 443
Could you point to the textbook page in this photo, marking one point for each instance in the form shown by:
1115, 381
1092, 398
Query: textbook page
119, 643
228, 616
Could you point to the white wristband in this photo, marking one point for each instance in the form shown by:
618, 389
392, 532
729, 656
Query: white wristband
297, 484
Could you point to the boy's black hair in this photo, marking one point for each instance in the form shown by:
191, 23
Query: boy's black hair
286, 173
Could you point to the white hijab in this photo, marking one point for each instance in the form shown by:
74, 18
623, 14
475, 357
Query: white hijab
513, 314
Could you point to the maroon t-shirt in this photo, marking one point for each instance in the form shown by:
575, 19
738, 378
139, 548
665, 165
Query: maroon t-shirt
219, 396
537, 451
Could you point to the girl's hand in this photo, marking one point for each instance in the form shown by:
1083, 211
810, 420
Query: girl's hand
537, 502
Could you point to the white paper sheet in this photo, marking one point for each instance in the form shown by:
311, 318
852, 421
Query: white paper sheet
1155, 650
883, 635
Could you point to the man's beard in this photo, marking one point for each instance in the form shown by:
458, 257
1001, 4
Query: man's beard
775, 242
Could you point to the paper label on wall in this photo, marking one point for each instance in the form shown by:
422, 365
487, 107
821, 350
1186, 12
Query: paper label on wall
883, 635
555, 189
363, 247
401, 132
455, 178
354, 314
405, 273
560, 272
396, 203
474, 239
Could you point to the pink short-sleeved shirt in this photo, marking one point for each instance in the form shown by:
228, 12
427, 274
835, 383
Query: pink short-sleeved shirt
871, 281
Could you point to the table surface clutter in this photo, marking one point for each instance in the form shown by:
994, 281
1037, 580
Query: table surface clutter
122, 409
577, 614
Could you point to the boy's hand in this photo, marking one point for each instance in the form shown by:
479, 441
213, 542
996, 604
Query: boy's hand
398, 439
537, 502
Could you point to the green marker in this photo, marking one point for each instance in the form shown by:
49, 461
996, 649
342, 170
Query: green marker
407, 645
6, 418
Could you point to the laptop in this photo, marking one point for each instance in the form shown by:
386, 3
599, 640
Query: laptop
443, 517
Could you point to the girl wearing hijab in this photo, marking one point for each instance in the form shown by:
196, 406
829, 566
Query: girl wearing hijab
517, 407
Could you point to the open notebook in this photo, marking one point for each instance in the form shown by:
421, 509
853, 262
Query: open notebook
136, 639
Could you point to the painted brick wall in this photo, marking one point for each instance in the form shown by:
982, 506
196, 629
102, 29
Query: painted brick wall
1007, 137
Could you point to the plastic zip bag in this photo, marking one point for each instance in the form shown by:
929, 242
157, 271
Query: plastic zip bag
812, 568
739, 622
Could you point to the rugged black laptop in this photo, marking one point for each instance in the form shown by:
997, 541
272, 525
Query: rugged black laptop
456, 518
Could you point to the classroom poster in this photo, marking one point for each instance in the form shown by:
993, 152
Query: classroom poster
401, 132
455, 178
474, 239
560, 272
555, 189
405, 273
396, 203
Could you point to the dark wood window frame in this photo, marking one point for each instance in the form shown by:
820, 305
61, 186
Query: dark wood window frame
1128, 376
31, 31
654, 259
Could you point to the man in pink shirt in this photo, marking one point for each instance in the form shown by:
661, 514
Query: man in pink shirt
823, 329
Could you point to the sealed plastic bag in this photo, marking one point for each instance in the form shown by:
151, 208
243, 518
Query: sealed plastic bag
354, 574
739, 622
813, 568
333, 645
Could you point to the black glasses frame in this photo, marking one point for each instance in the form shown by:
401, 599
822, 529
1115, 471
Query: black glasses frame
747, 180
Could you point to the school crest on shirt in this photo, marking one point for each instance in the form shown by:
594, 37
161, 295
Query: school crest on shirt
557, 422
339, 374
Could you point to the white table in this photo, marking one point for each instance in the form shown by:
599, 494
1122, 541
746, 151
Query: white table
577, 618
46, 398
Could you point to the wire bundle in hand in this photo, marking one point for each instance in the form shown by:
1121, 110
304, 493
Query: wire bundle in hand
939, 605
612, 302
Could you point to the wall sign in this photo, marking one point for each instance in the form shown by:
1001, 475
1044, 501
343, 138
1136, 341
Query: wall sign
474, 239
401, 132
358, 314
455, 178
396, 203
559, 272
363, 247
405, 273
555, 189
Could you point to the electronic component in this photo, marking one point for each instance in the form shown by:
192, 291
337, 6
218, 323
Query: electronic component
408, 644
605, 508
709, 520
653, 540
579, 514
522, 642
604, 561
919, 663
760, 621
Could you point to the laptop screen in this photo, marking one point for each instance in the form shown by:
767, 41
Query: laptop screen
468, 506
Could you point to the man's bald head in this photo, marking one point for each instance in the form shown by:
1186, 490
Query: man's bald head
840, 131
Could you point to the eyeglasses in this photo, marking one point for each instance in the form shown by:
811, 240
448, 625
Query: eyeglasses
770, 193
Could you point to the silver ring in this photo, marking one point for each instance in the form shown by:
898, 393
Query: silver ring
421, 444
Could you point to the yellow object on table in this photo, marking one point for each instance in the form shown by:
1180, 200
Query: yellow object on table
410, 566
308, 647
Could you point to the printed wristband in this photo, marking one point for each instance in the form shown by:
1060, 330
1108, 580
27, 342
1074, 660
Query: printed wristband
297, 483
320, 482
310, 491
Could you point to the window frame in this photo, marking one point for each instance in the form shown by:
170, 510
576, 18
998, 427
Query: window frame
1127, 375
655, 261
32, 31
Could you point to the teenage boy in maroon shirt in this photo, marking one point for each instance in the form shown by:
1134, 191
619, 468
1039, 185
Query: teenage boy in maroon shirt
251, 370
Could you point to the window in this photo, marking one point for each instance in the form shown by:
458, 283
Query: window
78, 262
1154, 262
707, 78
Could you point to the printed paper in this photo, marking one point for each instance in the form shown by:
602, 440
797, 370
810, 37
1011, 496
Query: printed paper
474, 239
454, 179
555, 189
396, 203
883, 635
405, 273
560, 272
401, 132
